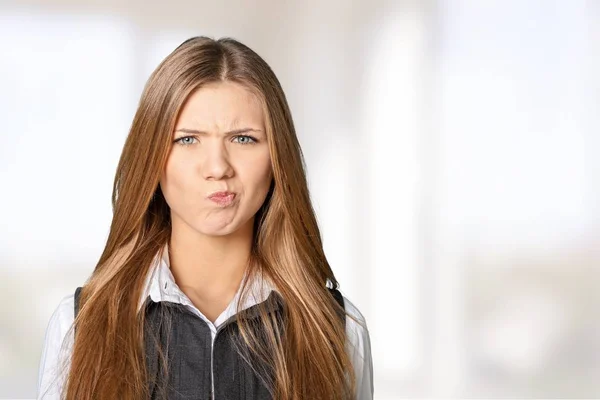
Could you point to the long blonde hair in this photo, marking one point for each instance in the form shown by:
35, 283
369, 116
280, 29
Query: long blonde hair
310, 360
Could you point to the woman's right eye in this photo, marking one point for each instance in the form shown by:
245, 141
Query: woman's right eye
185, 140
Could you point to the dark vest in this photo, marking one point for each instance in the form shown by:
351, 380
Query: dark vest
188, 349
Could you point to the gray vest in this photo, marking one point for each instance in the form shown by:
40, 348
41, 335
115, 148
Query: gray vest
188, 347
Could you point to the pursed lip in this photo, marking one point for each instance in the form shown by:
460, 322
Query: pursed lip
220, 194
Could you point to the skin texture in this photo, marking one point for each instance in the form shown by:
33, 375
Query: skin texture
210, 244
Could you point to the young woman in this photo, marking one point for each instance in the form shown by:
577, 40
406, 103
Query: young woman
213, 283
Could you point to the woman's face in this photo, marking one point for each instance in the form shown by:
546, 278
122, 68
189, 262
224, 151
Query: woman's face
219, 144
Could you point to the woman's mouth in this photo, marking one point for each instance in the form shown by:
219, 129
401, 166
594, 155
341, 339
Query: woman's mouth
223, 199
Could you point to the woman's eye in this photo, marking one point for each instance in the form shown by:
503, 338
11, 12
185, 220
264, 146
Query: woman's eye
241, 139
245, 139
186, 140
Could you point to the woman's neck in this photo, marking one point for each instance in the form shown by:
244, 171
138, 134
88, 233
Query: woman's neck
209, 268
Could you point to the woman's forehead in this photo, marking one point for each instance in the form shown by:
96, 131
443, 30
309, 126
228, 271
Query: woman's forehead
221, 106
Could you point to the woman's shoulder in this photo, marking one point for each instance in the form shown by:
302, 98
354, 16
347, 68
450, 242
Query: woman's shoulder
354, 315
359, 349
60, 321
356, 327
64, 312
56, 348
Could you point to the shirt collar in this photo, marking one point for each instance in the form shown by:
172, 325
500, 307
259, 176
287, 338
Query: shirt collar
160, 285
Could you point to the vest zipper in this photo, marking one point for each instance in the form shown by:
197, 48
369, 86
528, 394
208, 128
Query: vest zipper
212, 376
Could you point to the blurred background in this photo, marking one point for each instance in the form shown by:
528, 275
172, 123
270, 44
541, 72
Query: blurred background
453, 155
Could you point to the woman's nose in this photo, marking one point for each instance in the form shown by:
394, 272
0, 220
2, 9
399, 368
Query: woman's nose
216, 164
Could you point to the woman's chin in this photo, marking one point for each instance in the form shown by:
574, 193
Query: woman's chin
223, 228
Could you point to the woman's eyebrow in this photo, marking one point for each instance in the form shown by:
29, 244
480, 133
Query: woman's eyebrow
233, 132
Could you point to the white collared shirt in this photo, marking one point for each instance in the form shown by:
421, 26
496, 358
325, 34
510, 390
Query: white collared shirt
160, 286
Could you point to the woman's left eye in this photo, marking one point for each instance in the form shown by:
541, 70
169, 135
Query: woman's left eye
245, 139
